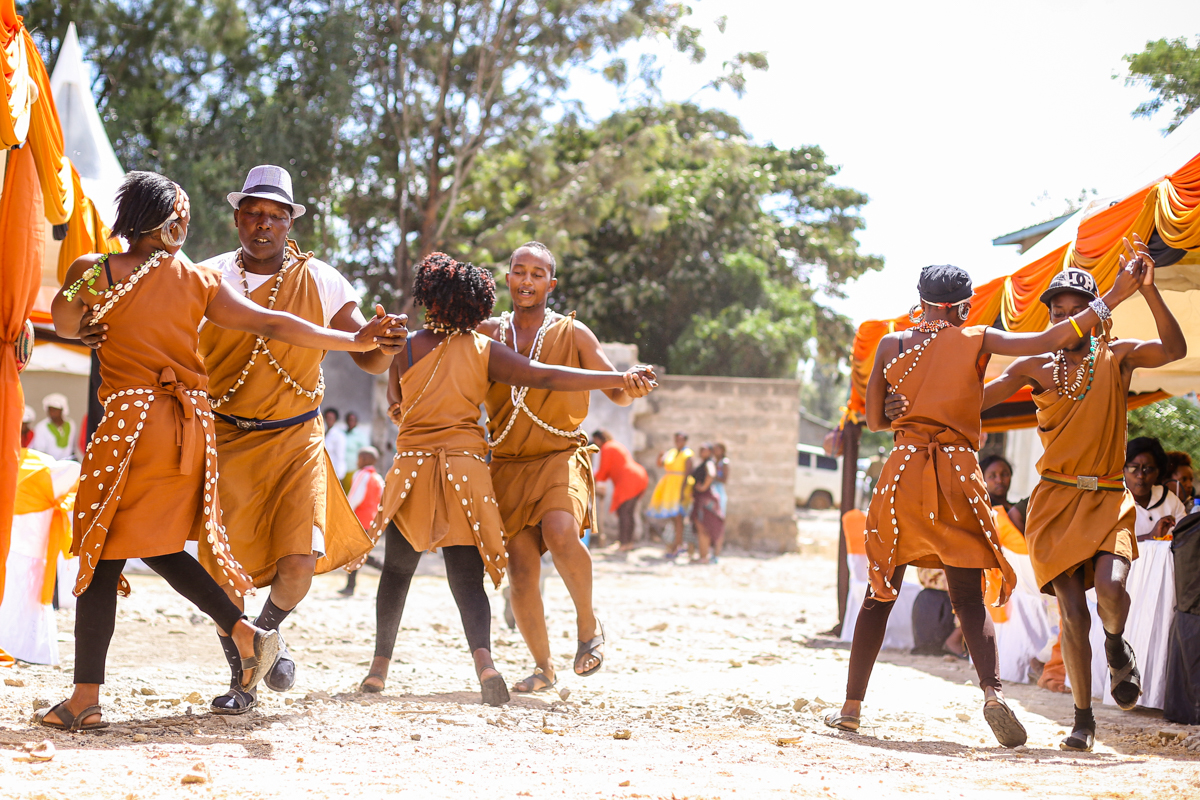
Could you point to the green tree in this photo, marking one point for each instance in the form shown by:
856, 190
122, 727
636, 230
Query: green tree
1171, 69
1175, 422
678, 233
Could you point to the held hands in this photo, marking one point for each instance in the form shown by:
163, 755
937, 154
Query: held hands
385, 331
640, 381
894, 406
92, 333
1137, 270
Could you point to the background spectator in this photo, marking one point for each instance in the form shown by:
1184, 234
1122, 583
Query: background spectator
722, 463
1157, 509
335, 442
629, 480
1180, 480
366, 488
54, 434
357, 437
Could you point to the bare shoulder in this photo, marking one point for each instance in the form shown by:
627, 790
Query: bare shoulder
1123, 347
489, 327
1028, 365
584, 335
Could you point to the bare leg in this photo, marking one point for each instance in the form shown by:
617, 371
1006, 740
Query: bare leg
1112, 600
293, 578
1076, 624
677, 543
560, 532
524, 571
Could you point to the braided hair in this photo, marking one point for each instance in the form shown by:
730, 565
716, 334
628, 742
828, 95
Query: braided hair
455, 295
144, 201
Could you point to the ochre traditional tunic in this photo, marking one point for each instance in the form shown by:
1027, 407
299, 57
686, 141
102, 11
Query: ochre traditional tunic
535, 470
439, 490
149, 479
1067, 526
931, 507
277, 485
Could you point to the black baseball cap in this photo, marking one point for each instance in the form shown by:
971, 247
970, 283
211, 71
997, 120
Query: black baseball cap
1071, 279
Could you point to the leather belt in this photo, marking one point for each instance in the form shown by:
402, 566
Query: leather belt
1088, 483
247, 424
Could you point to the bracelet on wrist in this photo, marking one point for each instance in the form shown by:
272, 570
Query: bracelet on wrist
1101, 308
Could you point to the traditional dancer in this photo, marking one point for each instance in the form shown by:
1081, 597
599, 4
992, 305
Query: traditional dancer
542, 462
923, 516
149, 477
287, 515
439, 491
1080, 528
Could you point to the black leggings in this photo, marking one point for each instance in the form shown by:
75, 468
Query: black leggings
625, 519
464, 573
96, 609
966, 596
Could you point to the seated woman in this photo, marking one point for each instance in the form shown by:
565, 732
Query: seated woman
439, 490
1157, 508
1181, 477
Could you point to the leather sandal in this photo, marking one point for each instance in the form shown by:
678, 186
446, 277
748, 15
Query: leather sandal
591, 648
494, 690
282, 676
1007, 729
1080, 740
1125, 683
234, 702
267, 646
533, 681
72, 723
843, 722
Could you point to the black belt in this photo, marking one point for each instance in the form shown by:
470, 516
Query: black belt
246, 424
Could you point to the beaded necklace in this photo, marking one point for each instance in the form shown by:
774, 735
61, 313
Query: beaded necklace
518, 395
89, 277
931, 326
119, 290
260, 344
1077, 389
917, 349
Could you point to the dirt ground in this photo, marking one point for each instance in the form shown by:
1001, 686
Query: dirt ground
715, 685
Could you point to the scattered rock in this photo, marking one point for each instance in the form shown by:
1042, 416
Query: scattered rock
197, 774
963, 717
1170, 735
140, 737
564, 693
194, 697
41, 752
742, 711
787, 740
416, 737
623, 783
13, 682
799, 704
317, 696
735, 664
648, 714
659, 628
40, 703
623, 735
148, 692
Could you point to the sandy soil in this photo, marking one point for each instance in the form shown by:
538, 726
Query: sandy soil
714, 687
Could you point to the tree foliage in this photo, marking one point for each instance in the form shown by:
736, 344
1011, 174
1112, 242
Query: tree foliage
1171, 69
680, 234
1175, 422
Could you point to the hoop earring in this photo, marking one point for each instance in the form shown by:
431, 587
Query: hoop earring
963, 311
174, 234
916, 314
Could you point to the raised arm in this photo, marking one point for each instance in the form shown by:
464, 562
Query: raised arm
1170, 344
508, 366
230, 310
1015, 378
1129, 279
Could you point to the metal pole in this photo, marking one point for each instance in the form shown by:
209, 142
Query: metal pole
850, 436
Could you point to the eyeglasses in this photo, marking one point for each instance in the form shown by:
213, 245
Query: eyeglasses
1142, 469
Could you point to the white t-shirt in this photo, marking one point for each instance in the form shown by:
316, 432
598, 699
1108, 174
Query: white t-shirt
332, 287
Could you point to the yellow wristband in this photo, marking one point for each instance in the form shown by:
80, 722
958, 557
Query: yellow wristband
1075, 325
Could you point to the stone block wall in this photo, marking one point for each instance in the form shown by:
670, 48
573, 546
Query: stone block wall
758, 421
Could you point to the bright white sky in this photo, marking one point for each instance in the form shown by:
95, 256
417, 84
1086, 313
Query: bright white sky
953, 117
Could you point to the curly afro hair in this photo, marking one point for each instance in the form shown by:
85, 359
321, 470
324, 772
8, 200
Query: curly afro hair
455, 295
144, 201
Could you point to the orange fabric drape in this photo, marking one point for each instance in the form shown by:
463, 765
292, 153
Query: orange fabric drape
46, 140
35, 493
1170, 206
23, 232
19, 90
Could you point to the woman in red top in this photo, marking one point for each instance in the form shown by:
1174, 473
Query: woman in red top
629, 480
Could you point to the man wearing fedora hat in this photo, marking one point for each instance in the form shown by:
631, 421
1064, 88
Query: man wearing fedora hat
1080, 523
285, 510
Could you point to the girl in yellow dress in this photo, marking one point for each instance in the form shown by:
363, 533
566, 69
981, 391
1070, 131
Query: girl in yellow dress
672, 497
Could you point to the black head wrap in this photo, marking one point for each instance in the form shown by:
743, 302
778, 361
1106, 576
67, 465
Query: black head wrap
945, 284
